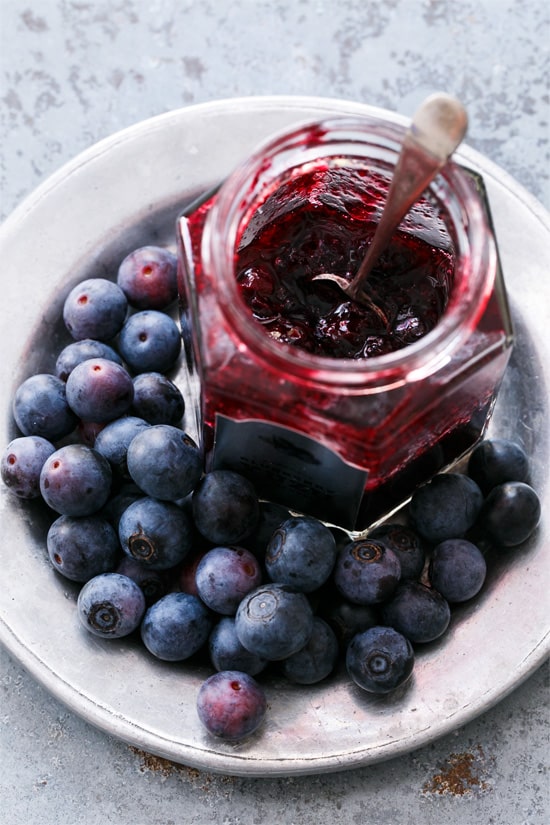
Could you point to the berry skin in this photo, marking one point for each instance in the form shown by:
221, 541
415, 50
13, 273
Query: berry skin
156, 533
273, 621
152, 582
510, 513
157, 399
366, 572
379, 659
407, 546
22, 463
317, 659
150, 341
95, 308
346, 619
418, 612
148, 277
301, 553
231, 705
227, 653
111, 605
81, 548
457, 570
495, 461
75, 480
115, 438
445, 507
99, 390
79, 351
225, 507
224, 576
165, 462
176, 627
40, 407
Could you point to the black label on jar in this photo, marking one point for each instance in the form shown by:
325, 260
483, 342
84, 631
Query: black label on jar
290, 469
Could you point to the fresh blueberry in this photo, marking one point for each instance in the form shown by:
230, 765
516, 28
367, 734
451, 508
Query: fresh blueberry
165, 462
225, 507
22, 463
156, 533
75, 480
157, 399
95, 308
117, 503
81, 548
407, 546
152, 582
150, 341
176, 626
225, 575
510, 513
88, 431
445, 507
115, 438
418, 612
301, 553
271, 516
347, 619
40, 407
186, 574
457, 570
111, 605
227, 653
231, 705
317, 659
380, 659
495, 461
274, 621
366, 571
148, 277
79, 351
99, 390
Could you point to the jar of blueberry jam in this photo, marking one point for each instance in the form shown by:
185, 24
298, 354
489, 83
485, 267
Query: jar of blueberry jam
335, 408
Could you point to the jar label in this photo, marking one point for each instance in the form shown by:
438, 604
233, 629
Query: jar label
291, 469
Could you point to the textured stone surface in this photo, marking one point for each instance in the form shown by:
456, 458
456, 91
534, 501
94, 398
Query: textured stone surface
74, 72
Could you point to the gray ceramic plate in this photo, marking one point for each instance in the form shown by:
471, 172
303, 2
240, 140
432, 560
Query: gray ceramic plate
126, 191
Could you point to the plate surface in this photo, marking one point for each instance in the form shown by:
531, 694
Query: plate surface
127, 191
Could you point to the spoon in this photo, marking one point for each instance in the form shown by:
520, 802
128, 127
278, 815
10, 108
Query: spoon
437, 128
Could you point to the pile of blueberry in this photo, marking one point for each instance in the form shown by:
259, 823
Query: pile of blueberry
193, 561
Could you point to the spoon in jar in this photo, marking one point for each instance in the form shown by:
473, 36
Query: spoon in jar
436, 130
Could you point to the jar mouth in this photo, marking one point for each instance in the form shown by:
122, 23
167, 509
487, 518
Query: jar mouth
373, 140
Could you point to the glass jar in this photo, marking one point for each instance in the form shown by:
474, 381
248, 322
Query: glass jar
345, 439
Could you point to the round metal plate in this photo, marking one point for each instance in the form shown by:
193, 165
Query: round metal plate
127, 191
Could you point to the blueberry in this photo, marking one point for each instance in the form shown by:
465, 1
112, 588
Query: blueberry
366, 572
274, 621
148, 277
418, 612
407, 546
157, 399
495, 461
156, 533
40, 407
99, 390
224, 576
301, 553
317, 659
95, 308
231, 705
115, 438
445, 507
380, 659
227, 652
457, 570
165, 462
176, 626
81, 548
510, 513
116, 504
111, 605
75, 480
152, 582
347, 619
22, 463
225, 507
271, 516
150, 341
79, 351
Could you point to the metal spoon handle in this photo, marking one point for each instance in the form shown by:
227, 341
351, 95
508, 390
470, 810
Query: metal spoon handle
436, 130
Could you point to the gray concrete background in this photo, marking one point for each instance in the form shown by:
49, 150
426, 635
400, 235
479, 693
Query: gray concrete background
75, 72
